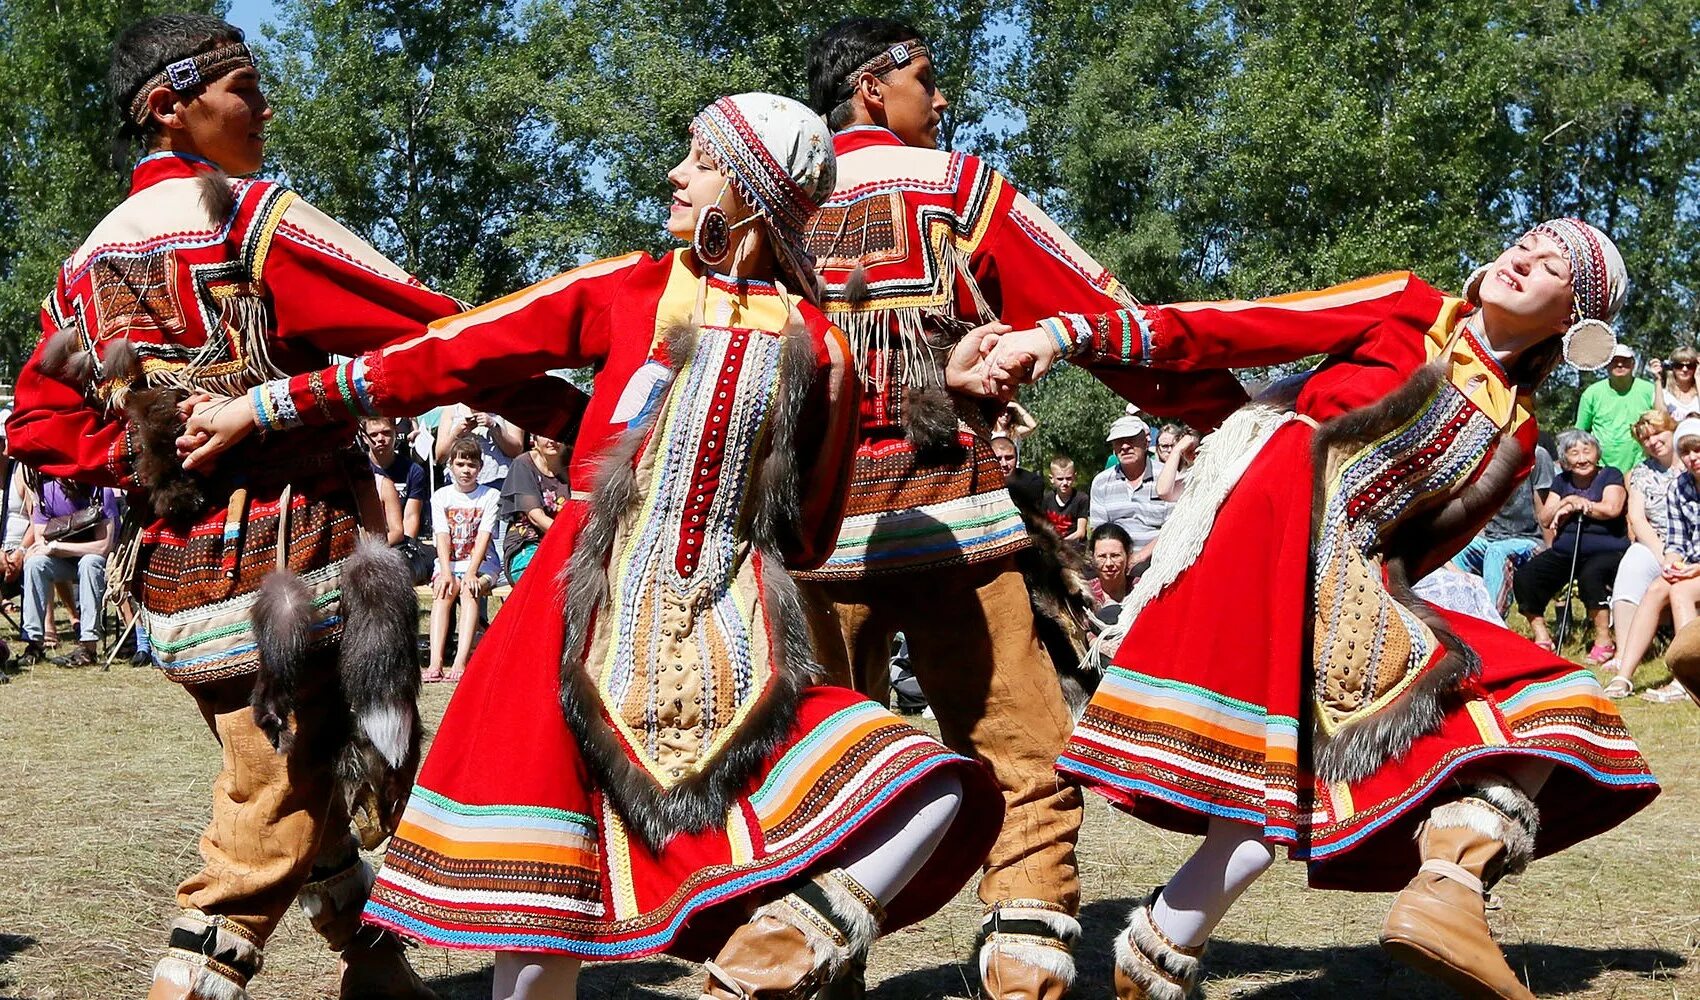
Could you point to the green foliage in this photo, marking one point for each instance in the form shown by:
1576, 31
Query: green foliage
1072, 410
57, 171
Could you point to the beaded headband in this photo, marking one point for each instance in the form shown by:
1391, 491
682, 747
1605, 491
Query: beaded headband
895, 57
188, 75
1589, 276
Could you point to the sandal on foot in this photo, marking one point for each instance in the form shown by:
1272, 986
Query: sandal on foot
1668, 694
1546, 644
1601, 652
1619, 688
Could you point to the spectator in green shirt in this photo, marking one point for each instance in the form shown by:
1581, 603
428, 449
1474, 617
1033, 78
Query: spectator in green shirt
1610, 407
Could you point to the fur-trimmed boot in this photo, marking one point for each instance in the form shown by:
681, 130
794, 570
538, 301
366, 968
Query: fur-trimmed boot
1149, 966
798, 944
1026, 950
1438, 925
374, 964
209, 958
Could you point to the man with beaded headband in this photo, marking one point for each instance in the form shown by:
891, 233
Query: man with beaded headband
642, 756
292, 634
1383, 740
915, 246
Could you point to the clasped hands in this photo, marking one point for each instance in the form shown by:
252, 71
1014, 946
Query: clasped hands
994, 360
991, 361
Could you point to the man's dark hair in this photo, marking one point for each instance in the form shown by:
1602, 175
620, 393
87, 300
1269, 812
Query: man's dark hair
839, 51
150, 45
1114, 532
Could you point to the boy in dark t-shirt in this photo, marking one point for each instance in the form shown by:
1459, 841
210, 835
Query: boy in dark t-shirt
1064, 506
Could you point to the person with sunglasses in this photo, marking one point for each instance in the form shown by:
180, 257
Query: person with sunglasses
1673, 388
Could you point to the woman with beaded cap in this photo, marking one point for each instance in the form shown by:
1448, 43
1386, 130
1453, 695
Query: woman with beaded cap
641, 754
1435, 751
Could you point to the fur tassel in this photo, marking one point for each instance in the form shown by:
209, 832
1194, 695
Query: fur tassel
64, 358
1037, 935
283, 617
379, 669
701, 799
175, 493
216, 197
930, 422
123, 371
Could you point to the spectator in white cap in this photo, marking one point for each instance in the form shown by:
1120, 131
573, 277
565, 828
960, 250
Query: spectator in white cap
1610, 407
1678, 586
1125, 494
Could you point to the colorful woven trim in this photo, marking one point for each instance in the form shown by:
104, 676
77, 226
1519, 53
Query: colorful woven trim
334, 394
1589, 276
895, 57
185, 76
1122, 336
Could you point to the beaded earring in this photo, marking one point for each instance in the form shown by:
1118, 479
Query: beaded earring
713, 237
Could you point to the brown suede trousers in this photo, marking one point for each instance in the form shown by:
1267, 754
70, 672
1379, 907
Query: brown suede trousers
975, 652
276, 818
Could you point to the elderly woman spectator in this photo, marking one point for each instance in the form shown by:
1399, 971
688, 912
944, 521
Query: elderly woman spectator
1676, 586
1125, 494
1511, 537
1585, 513
1674, 390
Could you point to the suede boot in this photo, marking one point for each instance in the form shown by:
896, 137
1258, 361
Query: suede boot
1683, 659
1149, 966
209, 958
1026, 950
797, 945
1438, 924
374, 963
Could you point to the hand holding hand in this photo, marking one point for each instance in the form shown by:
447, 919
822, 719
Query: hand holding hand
1026, 355
967, 369
215, 424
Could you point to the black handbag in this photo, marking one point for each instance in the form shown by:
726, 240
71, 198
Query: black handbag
74, 527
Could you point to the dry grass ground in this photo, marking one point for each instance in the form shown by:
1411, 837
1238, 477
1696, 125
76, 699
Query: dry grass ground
105, 783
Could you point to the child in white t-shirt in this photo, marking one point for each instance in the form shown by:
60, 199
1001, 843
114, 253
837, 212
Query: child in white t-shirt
463, 514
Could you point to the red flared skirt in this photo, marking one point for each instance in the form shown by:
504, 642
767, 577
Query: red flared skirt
1203, 713
508, 844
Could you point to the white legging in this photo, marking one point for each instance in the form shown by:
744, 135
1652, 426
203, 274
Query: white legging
882, 858
1233, 855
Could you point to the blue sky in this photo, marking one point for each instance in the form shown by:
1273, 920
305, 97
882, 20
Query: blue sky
250, 14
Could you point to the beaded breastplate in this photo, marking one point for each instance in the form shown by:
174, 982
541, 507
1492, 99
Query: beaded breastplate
682, 649
1367, 648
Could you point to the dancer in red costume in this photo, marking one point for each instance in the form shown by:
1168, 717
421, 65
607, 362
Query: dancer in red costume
640, 754
1385, 741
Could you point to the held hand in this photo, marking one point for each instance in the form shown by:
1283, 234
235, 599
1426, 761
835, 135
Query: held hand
215, 425
966, 371
1025, 355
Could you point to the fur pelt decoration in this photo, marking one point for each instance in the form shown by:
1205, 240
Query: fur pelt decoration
1055, 573
701, 799
377, 671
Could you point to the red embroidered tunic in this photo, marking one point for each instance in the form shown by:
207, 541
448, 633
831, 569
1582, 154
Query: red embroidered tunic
916, 243
217, 284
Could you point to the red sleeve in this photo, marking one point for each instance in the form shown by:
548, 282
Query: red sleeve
56, 429
333, 294
825, 448
1199, 336
483, 357
1033, 275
